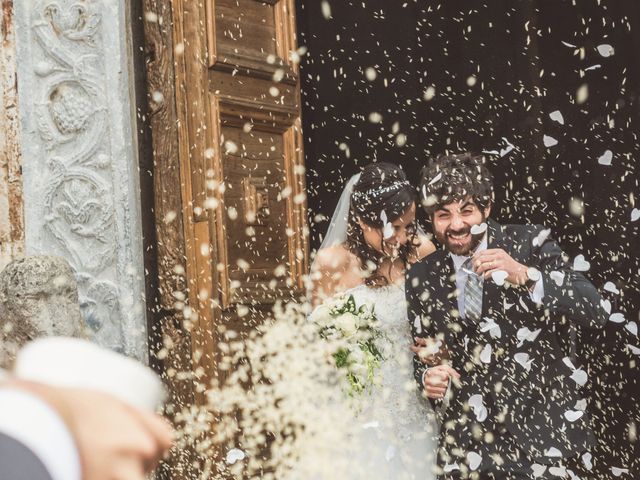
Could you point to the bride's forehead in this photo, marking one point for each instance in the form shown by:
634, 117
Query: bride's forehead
407, 217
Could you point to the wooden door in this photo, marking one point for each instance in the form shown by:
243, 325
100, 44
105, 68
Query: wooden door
229, 184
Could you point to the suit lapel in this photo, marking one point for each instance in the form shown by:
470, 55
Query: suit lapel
492, 293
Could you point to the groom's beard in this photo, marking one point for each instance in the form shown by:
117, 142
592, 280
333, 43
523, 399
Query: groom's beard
460, 242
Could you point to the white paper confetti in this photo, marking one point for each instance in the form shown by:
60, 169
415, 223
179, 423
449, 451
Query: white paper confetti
556, 116
580, 264
586, 460
611, 287
485, 354
635, 214
634, 350
478, 229
541, 237
552, 452
581, 404
632, 327
617, 317
605, 158
474, 459
522, 359
492, 327
557, 277
234, 455
549, 141
499, 277
558, 471
573, 415
524, 334
618, 471
605, 50
538, 470
606, 304
580, 377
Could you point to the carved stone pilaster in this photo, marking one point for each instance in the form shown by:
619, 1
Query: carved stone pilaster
79, 157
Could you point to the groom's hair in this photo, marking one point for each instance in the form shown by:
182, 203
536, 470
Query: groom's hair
451, 178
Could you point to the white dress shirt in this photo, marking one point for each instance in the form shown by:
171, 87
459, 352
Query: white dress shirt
536, 294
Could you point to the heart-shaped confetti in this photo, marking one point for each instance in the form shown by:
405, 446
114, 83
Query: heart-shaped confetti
417, 325
541, 237
605, 158
580, 264
557, 277
635, 214
605, 50
478, 229
581, 404
450, 467
556, 116
552, 452
632, 327
522, 358
558, 471
538, 470
499, 276
616, 317
634, 350
524, 334
606, 304
618, 471
573, 415
474, 460
586, 460
485, 354
549, 141
580, 377
234, 455
611, 287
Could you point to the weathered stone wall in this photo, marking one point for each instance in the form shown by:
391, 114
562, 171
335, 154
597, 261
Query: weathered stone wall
79, 157
38, 297
11, 213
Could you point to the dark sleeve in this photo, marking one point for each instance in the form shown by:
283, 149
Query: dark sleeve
567, 292
17, 462
416, 292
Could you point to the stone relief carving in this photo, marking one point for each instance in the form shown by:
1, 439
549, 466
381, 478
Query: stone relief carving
79, 200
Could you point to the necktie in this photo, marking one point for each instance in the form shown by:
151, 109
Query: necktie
472, 293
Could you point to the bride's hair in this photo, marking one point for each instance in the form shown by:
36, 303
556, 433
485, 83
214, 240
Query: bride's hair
382, 187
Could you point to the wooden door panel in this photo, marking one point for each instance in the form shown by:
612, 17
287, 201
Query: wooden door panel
241, 169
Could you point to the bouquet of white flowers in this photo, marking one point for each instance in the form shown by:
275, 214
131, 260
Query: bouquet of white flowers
354, 333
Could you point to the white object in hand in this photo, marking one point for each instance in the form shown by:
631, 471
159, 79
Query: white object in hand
75, 363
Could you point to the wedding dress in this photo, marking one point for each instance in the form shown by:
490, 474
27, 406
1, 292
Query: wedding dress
396, 431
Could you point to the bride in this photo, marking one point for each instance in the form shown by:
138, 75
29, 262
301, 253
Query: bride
372, 240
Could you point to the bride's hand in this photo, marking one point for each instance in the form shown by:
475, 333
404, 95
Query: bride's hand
430, 351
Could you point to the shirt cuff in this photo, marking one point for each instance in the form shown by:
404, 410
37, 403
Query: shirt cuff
426, 369
32, 422
537, 294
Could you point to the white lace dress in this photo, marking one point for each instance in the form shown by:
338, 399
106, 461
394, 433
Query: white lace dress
396, 431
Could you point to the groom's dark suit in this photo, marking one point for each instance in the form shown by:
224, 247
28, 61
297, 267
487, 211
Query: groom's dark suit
527, 398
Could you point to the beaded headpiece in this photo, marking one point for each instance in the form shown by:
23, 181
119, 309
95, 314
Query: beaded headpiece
375, 192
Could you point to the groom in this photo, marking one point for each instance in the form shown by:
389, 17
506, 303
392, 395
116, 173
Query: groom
504, 302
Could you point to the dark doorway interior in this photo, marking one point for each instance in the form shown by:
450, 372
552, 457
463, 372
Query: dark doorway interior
401, 81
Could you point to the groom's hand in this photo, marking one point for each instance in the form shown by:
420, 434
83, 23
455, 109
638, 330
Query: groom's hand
430, 351
492, 260
436, 380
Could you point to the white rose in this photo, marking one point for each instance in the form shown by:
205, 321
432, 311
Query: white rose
321, 316
347, 323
